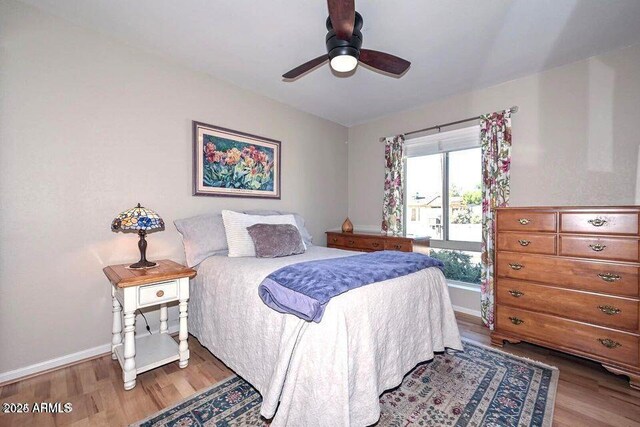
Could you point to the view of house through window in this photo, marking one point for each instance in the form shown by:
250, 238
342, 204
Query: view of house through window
444, 202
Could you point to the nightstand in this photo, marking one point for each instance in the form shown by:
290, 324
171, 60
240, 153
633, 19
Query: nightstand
134, 289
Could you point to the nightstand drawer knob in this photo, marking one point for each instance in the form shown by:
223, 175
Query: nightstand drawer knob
160, 293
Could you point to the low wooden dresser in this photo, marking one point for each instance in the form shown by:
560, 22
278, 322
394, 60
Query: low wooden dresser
368, 242
567, 278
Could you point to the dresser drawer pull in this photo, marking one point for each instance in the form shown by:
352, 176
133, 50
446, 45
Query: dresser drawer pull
609, 343
335, 239
375, 244
516, 266
397, 246
524, 221
598, 222
609, 277
597, 247
515, 293
160, 294
524, 242
352, 242
608, 309
516, 321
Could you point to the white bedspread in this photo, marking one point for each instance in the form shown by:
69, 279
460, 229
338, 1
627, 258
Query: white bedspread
329, 373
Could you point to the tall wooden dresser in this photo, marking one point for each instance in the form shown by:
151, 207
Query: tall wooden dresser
567, 278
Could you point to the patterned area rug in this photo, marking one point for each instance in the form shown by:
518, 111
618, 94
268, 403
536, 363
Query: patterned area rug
481, 386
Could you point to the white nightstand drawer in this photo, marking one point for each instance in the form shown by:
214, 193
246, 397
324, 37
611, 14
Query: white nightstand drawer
158, 293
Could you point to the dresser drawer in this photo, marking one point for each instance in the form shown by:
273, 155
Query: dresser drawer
336, 240
527, 242
363, 243
570, 334
398, 245
599, 223
158, 293
618, 249
526, 220
369, 243
356, 242
602, 310
605, 277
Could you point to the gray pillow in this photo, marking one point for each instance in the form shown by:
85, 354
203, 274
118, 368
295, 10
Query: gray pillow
276, 240
202, 237
300, 222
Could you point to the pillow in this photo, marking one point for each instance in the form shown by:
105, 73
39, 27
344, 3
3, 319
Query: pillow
202, 237
276, 240
238, 239
300, 222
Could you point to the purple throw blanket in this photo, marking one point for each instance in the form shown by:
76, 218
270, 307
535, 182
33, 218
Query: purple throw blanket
304, 289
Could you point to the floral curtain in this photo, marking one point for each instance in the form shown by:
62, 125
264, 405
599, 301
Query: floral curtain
393, 202
495, 137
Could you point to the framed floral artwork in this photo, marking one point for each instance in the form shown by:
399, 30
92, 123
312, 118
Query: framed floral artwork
234, 164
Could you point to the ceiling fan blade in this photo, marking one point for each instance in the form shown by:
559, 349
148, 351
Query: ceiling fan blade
307, 66
343, 15
384, 61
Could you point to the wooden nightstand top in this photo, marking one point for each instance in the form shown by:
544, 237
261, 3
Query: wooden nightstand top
122, 276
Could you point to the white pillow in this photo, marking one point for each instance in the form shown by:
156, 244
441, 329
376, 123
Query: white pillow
238, 238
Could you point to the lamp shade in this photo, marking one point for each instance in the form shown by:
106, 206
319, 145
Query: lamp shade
136, 219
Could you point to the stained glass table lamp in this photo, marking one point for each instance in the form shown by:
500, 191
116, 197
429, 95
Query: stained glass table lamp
140, 220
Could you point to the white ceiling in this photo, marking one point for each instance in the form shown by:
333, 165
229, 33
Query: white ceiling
454, 45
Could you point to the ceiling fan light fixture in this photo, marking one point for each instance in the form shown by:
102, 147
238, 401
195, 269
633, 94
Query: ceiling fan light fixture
344, 46
344, 63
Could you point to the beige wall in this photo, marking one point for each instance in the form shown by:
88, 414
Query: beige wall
89, 127
575, 138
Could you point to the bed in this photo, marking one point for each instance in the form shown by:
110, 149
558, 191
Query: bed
320, 374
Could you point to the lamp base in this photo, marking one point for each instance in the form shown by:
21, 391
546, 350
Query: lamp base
142, 245
140, 265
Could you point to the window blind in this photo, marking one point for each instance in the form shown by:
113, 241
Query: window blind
453, 140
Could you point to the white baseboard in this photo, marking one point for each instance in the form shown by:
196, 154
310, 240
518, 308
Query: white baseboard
47, 365
466, 310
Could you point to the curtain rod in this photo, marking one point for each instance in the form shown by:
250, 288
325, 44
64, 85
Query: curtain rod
513, 109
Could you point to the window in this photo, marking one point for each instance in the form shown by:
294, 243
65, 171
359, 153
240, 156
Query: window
444, 199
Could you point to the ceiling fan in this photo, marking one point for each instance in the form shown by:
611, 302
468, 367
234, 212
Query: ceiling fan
344, 41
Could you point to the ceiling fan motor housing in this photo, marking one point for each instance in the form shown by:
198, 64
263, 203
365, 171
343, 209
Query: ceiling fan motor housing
337, 47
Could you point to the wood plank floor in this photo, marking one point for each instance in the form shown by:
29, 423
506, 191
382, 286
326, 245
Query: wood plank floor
587, 394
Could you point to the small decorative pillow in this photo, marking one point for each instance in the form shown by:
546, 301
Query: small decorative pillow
236, 224
276, 240
300, 223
